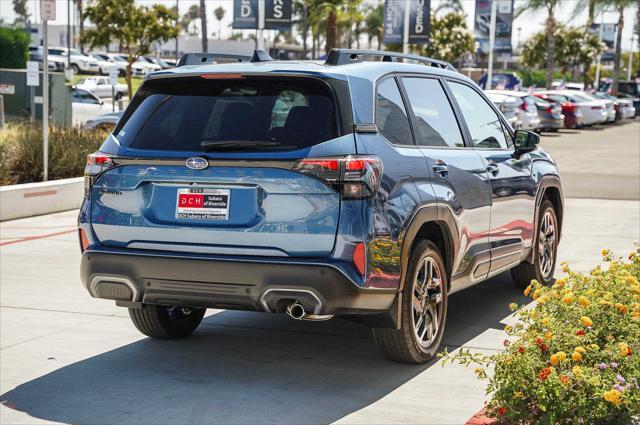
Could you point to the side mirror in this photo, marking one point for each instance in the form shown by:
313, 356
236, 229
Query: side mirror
525, 141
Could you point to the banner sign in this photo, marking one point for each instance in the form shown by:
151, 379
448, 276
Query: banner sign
504, 24
245, 15
277, 15
419, 24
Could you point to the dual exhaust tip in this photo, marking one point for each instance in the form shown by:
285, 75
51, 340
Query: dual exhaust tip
296, 311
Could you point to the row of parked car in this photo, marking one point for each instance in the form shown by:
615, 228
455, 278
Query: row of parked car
551, 110
96, 63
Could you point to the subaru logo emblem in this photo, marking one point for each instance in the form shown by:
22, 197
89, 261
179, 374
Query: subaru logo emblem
197, 163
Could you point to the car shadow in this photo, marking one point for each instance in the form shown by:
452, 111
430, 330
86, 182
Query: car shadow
242, 367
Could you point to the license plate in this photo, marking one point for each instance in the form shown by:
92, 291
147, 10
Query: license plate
203, 204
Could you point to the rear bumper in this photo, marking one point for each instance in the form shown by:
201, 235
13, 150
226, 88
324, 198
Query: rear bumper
230, 283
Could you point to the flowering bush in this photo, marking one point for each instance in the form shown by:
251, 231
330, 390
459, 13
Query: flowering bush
573, 356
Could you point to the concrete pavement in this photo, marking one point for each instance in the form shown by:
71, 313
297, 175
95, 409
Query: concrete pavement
66, 357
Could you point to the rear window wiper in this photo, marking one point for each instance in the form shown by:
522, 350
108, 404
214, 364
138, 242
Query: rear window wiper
211, 145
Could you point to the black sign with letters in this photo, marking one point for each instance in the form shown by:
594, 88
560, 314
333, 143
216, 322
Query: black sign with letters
245, 15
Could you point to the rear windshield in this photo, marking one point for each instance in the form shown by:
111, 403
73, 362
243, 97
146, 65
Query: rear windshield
252, 113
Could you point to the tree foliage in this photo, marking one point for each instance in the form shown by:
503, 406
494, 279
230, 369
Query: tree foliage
14, 43
134, 28
574, 47
20, 9
449, 38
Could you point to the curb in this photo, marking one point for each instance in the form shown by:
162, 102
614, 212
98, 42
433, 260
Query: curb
30, 199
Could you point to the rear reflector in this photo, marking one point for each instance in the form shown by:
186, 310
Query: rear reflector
84, 240
360, 258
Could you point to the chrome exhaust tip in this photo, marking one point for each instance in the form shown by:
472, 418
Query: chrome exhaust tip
296, 311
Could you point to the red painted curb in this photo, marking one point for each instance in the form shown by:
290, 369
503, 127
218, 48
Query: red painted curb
30, 238
481, 418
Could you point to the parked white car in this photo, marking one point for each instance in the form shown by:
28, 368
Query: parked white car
85, 105
80, 63
102, 87
507, 105
149, 65
594, 111
137, 69
121, 65
525, 108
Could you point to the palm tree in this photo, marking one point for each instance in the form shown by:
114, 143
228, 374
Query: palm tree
78, 4
188, 18
203, 27
373, 24
550, 28
219, 14
620, 6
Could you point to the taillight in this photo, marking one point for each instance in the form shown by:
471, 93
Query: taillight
549, 110
354, 176
97, 163
524, 106
84, 240
568, 107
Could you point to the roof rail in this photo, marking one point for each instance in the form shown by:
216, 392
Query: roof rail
345, 56
209, 58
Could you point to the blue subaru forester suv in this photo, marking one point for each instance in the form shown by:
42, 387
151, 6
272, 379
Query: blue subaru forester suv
369, 187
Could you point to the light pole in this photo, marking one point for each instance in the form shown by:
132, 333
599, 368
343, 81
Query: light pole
492, 42
405, 33
597, 81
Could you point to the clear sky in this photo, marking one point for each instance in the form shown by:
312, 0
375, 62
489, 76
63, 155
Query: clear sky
528, 22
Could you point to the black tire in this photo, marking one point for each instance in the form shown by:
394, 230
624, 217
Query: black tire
403, 345
75, 68
158, 321
119, 95
525, 272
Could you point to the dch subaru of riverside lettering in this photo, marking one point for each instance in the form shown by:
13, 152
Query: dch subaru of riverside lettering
368, 187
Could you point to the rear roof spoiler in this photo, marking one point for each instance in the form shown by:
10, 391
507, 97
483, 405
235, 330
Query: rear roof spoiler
210, 58
346, 56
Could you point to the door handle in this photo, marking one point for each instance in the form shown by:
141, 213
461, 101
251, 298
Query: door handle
441, 168
493, 168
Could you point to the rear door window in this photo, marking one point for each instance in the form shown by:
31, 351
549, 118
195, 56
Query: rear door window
253, 113
391, 117
435, 124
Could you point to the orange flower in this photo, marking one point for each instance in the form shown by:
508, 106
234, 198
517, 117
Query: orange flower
544, 373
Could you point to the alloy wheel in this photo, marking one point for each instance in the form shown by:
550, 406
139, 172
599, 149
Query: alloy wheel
547, 243
427, 302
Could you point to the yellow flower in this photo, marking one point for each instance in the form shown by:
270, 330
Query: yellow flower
565, 269
545, 321
596, 272
560, 356
613, 396
630, 280
624, 349
548, 336
576, 356
605, 252
586, 321
577, 371
621, 308
536, 294
507, 328
567, 298
518, 394
560, 282
580, 350
584, 302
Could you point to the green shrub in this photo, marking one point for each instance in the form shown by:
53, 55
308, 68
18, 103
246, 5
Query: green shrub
21, 152
14, 44
574, 356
